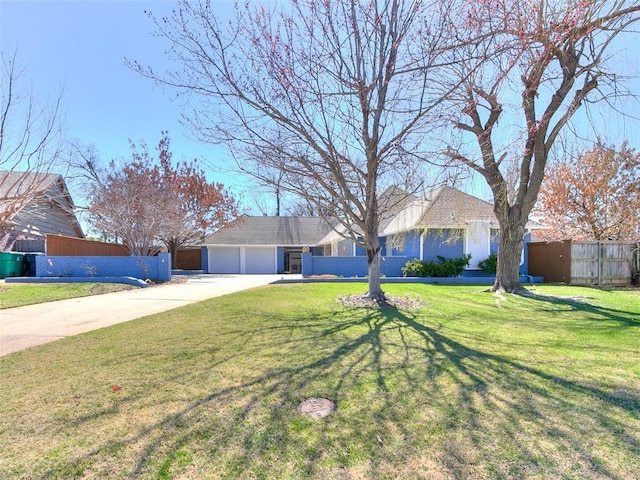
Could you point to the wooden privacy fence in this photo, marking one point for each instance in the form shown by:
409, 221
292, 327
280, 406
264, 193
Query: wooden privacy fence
585, 262
59, 246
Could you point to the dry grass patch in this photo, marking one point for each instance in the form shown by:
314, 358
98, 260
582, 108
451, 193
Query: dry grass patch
20, 294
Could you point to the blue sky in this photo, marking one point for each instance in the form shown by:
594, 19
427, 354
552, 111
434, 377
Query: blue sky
80, 47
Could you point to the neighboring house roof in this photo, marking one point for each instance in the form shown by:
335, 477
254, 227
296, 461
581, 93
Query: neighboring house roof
16, 184
281, 231
23, 196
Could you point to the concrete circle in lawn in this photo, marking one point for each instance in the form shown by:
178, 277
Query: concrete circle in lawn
317, 407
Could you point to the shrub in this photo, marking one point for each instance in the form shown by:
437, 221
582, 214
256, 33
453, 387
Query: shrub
490, 264
444, 267
414, 268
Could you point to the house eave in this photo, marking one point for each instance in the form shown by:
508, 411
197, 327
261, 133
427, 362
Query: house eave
258, 245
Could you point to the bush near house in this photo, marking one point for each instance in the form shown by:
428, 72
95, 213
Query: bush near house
414, 268
444, 267
490, 264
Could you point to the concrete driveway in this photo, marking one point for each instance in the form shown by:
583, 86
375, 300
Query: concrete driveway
25, 327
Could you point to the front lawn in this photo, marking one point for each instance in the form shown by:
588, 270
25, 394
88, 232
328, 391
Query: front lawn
470, 386
20, 294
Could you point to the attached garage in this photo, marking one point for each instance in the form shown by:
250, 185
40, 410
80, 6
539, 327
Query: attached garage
263, 245
224, 259
260, 260
242, 260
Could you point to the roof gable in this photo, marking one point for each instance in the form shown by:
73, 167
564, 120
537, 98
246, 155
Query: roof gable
447, 207
393, 202
33, 184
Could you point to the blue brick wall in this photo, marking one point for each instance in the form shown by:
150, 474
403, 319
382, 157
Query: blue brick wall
156, 268
307, 264
445, 243
392, 266
280, 259
410, 245
357, 267
349, 266
204, 260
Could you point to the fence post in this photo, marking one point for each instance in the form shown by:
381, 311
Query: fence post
204, 259
307, 264
164, 266
635, 264
599, 264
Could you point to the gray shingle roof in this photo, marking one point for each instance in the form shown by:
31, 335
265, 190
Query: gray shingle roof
281, 231
448, 207
444, 207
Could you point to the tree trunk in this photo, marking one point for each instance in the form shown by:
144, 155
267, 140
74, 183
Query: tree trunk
373, 263
375, 289
172, 247
509, 255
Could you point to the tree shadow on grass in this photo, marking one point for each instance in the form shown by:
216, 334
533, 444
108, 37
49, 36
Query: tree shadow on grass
583, 304
414, 401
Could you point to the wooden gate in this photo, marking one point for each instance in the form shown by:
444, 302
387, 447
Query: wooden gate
551, 260
189, 259
601, 263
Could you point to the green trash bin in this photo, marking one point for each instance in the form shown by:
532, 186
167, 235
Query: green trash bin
6, 260
11, 264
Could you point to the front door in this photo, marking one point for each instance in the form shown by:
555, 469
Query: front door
293, 260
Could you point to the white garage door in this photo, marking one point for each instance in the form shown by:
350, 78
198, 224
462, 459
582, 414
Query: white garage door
260, 260
224, 260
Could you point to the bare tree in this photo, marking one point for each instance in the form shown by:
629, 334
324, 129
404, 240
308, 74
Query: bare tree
335, 95
197, 207
30, 139
267, 194
527, 67
131, 206
302, 208
149, 201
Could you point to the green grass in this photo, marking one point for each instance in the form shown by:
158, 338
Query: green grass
471, 386
20, 294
